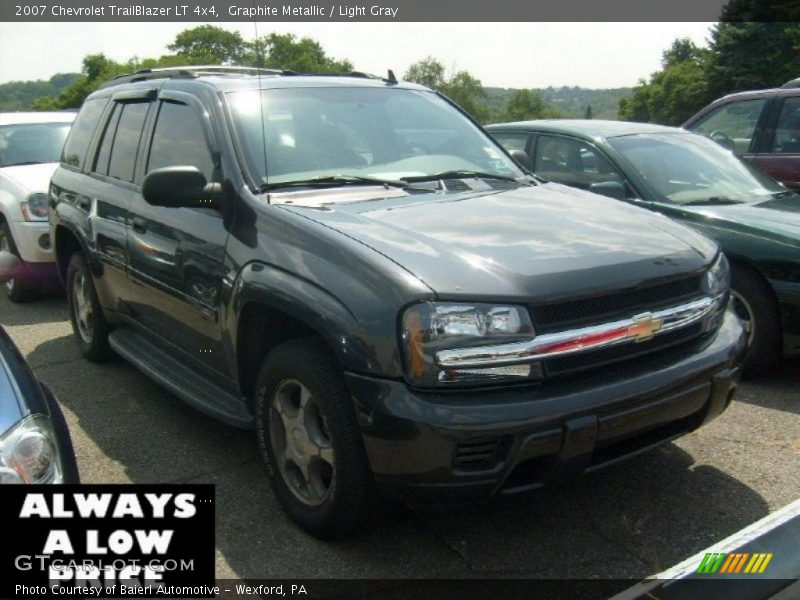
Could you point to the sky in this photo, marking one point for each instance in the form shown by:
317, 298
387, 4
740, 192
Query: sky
518, 55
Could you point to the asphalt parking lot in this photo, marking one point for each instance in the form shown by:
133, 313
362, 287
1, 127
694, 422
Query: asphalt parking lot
629, 521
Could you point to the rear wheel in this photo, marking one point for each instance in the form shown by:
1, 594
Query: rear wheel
88, 323
17, 290
310, 441
753, 302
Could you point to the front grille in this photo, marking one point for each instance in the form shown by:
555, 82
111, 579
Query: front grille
590, 311
672, 340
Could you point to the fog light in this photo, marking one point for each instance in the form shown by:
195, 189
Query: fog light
44, 241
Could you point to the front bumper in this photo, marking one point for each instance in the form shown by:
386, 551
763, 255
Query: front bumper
39, 267
463, 444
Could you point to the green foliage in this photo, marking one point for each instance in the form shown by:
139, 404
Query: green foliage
588, 113
210, 45
674, 93
461, 87
20, 95
304, 55
755, 45
524, 105
751, 56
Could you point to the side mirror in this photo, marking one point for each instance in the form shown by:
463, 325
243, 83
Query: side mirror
10, 266
522, 158
181, 187
612, 189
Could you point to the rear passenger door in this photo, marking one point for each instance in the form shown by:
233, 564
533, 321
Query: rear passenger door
111, 187
176, 255
779, 152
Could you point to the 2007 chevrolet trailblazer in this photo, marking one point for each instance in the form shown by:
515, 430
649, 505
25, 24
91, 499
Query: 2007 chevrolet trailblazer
355, 269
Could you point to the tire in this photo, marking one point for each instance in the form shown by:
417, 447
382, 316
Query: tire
754, 303
17, 290
337, 498
88, 323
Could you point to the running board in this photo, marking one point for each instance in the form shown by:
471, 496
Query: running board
170, 373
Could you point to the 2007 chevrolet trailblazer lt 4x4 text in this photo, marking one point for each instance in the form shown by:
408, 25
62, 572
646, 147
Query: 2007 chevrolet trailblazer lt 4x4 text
351, 266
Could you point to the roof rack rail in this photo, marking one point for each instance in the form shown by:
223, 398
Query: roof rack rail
188, 72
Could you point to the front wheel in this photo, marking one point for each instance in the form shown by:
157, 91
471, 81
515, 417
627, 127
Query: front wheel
310, 441
88, 323
753, 302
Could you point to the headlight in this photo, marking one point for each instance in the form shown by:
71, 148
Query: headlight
35, 209
29, 454
433, 326
717, 279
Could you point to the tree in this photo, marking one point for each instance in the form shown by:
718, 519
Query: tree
588, 114
674, 93
754, 55
523, 105
208, 44
461, 87
304, 55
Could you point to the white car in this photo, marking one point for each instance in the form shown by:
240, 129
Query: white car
30, 148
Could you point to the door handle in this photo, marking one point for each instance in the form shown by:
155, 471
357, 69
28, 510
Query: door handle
139, 224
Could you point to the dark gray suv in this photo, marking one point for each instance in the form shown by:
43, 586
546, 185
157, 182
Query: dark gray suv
353, 268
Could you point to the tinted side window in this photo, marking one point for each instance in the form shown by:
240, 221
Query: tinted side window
126, 141
104, 152
572, 162
178, 139
733, 124
787, 131
80, 135
512, 141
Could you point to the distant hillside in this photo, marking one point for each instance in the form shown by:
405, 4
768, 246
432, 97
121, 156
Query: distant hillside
18, 95
573, 101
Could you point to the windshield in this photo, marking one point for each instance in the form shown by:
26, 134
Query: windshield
688, 168
32, 143
379, 133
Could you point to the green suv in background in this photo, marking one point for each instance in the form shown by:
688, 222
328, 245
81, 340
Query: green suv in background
692, 179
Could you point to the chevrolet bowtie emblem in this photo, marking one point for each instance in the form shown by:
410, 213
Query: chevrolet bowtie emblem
644, 328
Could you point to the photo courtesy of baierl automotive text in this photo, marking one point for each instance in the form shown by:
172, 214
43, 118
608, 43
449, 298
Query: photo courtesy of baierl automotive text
400, 299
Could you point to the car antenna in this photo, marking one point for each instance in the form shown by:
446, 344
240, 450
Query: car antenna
390, 78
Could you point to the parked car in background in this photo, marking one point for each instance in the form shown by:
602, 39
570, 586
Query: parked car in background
761, 126
30, 147
351, 266
689, 178
35, 445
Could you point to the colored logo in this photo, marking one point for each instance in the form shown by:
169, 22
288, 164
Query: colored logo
735, 562
645, 327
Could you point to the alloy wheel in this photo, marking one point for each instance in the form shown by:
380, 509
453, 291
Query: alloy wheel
82, 306
301, 443
745, 313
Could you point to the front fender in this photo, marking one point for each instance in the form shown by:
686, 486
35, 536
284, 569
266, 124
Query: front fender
305, 301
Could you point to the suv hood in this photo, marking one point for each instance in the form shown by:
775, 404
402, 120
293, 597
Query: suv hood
542, 242
31, 178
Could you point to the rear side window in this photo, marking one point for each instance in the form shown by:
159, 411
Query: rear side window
787, 131
104, 153
80, 135
178, 140
126, 140
572, 162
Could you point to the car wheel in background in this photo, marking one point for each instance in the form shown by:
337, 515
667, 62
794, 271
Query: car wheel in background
310, 441
753, 302
17, 290
88, 323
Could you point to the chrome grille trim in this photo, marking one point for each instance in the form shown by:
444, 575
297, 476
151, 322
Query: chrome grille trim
638, 328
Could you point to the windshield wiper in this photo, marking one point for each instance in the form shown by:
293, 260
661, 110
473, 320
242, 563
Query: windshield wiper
461, 174
333, 181
712, 201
